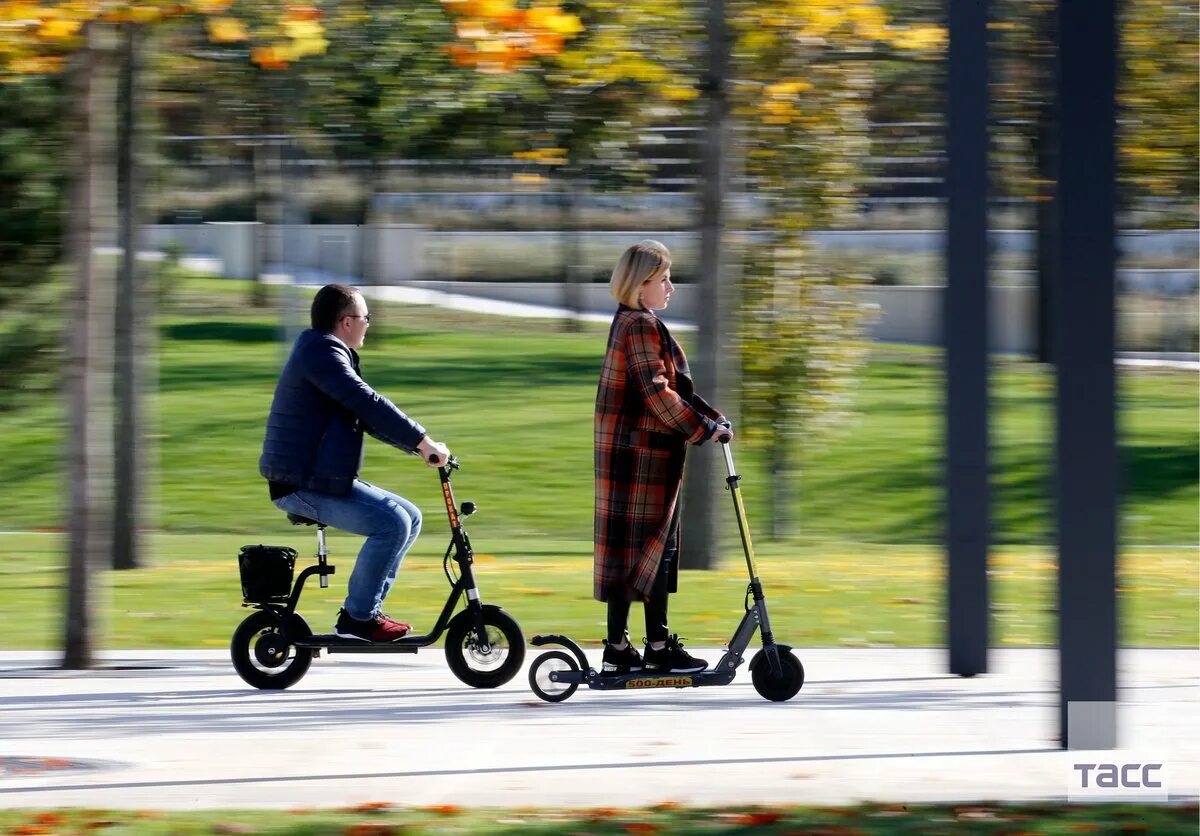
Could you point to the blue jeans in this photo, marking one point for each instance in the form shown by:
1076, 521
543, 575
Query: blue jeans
390, 523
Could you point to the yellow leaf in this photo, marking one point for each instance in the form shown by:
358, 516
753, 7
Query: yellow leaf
554, 19
309, 46
146, 14
299, 29
268, 57
57, 30
211, 7
226, 30
38, 65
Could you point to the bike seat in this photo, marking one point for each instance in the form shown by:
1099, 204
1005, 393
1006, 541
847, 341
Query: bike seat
296, 519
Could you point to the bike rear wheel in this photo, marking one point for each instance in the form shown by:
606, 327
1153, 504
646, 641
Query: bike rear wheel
263, 653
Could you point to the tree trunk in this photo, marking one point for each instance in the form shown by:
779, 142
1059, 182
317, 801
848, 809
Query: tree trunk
780, 490
703, 480
268, 213
572, 256
128, 463
87, 377
1044, 142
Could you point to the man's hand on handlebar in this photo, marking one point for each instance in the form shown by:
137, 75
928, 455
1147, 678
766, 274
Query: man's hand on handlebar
433, 452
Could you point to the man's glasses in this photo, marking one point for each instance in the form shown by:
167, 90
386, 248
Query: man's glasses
363, 317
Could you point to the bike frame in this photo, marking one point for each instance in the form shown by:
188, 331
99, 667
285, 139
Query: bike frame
464, 586
755, 618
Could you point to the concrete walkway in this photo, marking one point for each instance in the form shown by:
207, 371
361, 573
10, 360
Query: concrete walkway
179, 729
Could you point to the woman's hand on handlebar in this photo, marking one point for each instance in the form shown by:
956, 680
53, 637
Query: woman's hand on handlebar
433, 452
724, 432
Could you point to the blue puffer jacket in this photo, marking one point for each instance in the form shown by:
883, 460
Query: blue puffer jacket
321, 407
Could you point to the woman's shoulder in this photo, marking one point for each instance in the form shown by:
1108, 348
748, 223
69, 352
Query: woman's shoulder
635, 316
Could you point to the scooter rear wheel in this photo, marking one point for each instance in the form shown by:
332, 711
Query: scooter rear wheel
494, 666
543, 685
263, 653
777, 688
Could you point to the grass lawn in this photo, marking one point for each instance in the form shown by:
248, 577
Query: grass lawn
514, 401
850, 595
383, 820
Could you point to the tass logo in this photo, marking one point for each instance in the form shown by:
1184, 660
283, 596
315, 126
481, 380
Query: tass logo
1107, 781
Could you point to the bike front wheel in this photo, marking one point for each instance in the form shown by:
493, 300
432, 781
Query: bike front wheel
490, 664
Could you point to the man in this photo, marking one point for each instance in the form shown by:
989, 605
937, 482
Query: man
314, 447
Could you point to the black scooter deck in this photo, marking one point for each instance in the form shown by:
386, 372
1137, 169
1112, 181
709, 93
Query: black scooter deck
336, 644
642, 680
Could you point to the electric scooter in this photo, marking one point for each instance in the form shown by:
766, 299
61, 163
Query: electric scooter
775, 671
273, 647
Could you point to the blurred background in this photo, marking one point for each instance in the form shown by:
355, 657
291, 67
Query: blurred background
176, 179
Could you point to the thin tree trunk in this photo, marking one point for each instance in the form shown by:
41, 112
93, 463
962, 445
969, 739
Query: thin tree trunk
269, 214
87, 378
703, 480
1044, 143
129, 456
572, 257
780, 490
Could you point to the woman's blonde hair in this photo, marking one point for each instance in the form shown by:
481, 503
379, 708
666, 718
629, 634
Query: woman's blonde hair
645, 261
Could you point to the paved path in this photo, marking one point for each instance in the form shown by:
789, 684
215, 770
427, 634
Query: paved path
177, 729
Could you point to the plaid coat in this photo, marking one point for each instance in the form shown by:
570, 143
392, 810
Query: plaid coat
646, 414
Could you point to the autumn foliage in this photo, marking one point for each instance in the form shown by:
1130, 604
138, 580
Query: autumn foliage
36, 37
498, 36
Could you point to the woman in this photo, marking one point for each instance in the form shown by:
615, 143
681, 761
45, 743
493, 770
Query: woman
646, 414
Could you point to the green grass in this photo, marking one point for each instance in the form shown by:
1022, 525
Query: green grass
514, 401
849, 595
384, 820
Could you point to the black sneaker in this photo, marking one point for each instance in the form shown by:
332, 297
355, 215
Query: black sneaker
673, 658
625, 660
376, 629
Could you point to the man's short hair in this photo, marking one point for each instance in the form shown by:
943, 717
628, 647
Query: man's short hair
331, 303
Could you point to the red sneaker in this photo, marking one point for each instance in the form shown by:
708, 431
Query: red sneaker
401, 624
375, 629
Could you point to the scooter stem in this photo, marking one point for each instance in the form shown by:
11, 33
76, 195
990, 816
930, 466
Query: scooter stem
740, 512
728, 458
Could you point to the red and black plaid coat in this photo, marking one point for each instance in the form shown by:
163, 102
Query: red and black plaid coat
646, 414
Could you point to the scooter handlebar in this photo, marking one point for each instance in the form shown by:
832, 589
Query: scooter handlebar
720, 437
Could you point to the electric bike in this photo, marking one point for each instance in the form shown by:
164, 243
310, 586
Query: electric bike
274, 646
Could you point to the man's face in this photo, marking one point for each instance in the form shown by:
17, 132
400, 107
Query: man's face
355, 323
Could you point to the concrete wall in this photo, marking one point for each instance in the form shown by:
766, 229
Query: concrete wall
393, 252
404, 254
903, 314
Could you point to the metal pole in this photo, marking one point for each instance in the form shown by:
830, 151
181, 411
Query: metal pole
965, 326
1084, 342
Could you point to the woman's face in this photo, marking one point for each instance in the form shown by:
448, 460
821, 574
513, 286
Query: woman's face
656, 293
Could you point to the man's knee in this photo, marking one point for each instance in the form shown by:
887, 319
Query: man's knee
392, 522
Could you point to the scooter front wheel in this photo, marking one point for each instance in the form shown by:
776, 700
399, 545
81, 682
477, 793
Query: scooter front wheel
263, 653
543, 685
490, 665
777, 687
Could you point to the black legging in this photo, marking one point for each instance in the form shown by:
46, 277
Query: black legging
655, 605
